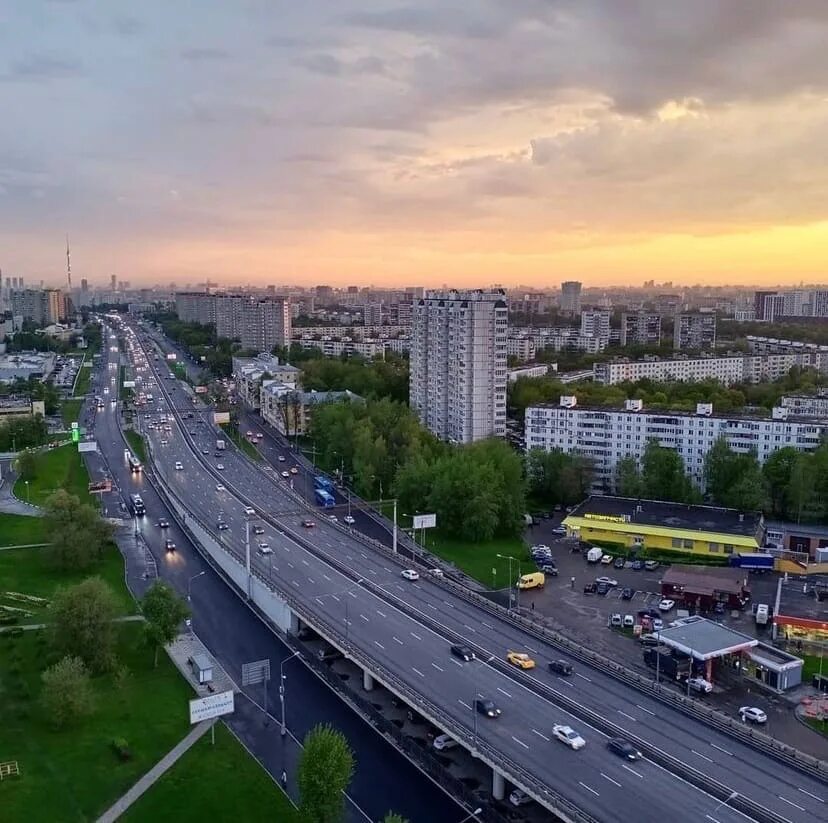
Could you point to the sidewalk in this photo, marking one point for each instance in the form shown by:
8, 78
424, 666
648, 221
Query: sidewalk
162, 766
9, 504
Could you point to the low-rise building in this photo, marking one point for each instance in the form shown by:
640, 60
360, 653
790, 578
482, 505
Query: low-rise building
11, 407
806, 405
290, 411
249, 374
25, 365
531, 370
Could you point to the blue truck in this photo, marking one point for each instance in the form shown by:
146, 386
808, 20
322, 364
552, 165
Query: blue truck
753, 561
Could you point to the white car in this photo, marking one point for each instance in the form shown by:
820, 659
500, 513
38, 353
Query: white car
163, 442
285, 475
606, 560
219, 466
264, 548
753, 714
566, 734
443, 742
281, 458
179, 466
410, 574
666, 604
219, 487
349, 520
699, 684
249, 511
519, 798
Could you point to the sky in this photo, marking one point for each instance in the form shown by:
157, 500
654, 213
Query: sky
426, 142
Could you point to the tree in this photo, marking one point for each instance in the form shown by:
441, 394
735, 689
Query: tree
66, 695
77, 533
81, 624
163, 611
663, 476
748, 492
393, 817
628, 477
325, 770
720, 469
777, 471
26, 465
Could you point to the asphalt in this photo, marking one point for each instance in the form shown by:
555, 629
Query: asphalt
384, 779
405, 627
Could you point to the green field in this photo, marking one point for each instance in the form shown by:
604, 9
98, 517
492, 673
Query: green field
84, 377
137, 444
478, 559
19, 530
60, 468
243, 443
209, 778
70, 411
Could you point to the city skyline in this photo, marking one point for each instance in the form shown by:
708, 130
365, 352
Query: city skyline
429, 144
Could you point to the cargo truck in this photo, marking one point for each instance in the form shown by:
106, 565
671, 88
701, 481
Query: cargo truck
219, 445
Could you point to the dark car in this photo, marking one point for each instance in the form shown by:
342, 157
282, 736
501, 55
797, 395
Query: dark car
163, 523
486, 707
463, 652
589, 588
623, 748
719, 608
169, 545
619, 562
627, 593
549, 569
308, 524
649, 613
222, 526
560, 667
638, 565
601, 588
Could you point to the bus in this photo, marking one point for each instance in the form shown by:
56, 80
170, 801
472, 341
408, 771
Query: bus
136, 505
134, 464
324, 483
324, 499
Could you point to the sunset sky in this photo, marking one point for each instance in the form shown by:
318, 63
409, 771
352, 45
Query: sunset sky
428, 142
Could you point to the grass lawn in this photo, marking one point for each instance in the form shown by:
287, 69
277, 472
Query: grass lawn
243, 443
60, 468
811, 665
19, 530
137, 444
478, 559
73, 774
218, 782
84, 377
70, 410
28, 571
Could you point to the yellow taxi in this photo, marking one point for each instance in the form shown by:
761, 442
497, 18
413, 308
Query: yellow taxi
521, 660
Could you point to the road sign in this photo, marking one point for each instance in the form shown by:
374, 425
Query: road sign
214, 705
75, 435
425, 521
256, 672
100, 486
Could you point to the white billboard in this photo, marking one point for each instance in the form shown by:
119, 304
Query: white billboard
425, 521
171, 356
221, 417
214, 705
129, 384
87, 446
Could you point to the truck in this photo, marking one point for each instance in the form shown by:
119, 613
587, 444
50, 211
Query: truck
220, 445
762, 614
753, 561
668, 666
594, 555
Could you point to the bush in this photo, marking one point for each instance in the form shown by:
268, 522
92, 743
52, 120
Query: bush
67, 692
121, 749
16, 631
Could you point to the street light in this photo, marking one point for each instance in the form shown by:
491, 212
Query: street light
511, 578
27, 490
472, 814
283, 730
190, 583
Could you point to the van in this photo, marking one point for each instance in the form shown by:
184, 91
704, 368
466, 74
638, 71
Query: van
594, 555
534, 580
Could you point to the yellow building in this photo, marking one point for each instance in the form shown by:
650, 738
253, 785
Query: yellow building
652, 524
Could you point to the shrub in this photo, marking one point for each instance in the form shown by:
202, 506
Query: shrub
121, 749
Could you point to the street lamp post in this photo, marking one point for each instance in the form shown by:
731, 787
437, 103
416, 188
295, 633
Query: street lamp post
472, 814
27, 491
511, 578
190, 583
283, 729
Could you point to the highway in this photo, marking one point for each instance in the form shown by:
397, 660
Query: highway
407, 628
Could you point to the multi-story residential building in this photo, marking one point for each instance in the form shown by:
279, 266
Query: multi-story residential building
372, 314
257, 322
640, 328
806, 405
42, 306
355, 332
523, 348
775, 345
694, 330
596, 323
458, 364
557, 338
196, 307
571, 296
771, 305
251, 373
607, 435
368, 348
290, 411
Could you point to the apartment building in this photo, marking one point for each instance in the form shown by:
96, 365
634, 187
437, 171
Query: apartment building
571, 296
694, 330
195, 307
251, 373
458, 364
806, 405
607, 435
42, 306
257, 322
640, 329
339, 346
596, 323
290, 410
771, 305
525, 341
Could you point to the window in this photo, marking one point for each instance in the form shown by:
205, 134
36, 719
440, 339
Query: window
677, 542
728, 548
688, 544
713, 547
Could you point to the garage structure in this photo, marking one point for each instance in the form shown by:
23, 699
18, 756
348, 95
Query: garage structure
700, 588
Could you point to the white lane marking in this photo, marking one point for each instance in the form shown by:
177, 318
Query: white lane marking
319, 601
520, 742
364, 618
311, 580
487, 625
719, 748
450, 605
469, 628
397, 640
439, 668
462, 703
294, 583
628, 716
290, 565
503, 691
456, 662
566, 682
529, 648
633, 771
305, 562
399, 587
326, 577
542, 736
377, 643
417, 671
812, 795
644, 710
336, 598
583, 677
352, 594
364, 555
387, 569
415, 636
431, 606
349, 557
588, 788
381, 614
791, 803
372, 571
607, 777
711, 818
702, 756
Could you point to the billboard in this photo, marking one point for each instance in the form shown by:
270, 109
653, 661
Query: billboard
129, 384
425, 521
220, 418
87, 446
171, 356
201, 389
214, 705
100, 486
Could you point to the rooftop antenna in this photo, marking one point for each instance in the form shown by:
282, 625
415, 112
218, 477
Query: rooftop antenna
68, 265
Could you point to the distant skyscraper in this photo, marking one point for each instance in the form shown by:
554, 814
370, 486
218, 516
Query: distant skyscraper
458, 364
571, 296
258, 324
113, 283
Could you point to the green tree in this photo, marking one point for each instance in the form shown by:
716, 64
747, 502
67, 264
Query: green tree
748, 492
163, 611
77, 533
777, 471
27, 465
663, 476
628, 478
81, 623
66, 694
393, 817
721, 469
326, 767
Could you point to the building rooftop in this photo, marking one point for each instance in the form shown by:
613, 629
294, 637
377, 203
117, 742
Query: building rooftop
679, 516
703, 639
706, 579
798, 599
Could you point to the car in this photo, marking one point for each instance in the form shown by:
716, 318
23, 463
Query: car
163, 523
658, 624
285, 475
164, 442
281, 458
541, 547
591, 588
647, 639
486, 707
179, 466
623, 748
651, 565
169, 545
443, 742
308, 524
220, 466
249, 434
606, 559
333, 518
257, 529
627, 593
753, 714
549, 569
650, 612
567, 735
219, 487
205, 451
264, 547
294, 470
560, 667
521, 660
410, 574
637, 565
462, 652
222, 526
519, 798
249, 511
559, 530
349, 520
666, 604
436, 572
610, 581
699, 684
619, 563
616, 621
629, 621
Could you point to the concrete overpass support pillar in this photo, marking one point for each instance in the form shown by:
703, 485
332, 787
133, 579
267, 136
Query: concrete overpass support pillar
367, 681
498, 785
295, 624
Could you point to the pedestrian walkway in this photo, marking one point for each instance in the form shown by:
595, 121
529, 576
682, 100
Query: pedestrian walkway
162, 766
129, 618
183, 649
9, 504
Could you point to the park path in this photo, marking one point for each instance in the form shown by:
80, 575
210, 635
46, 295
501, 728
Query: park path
9, 504
159, 769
